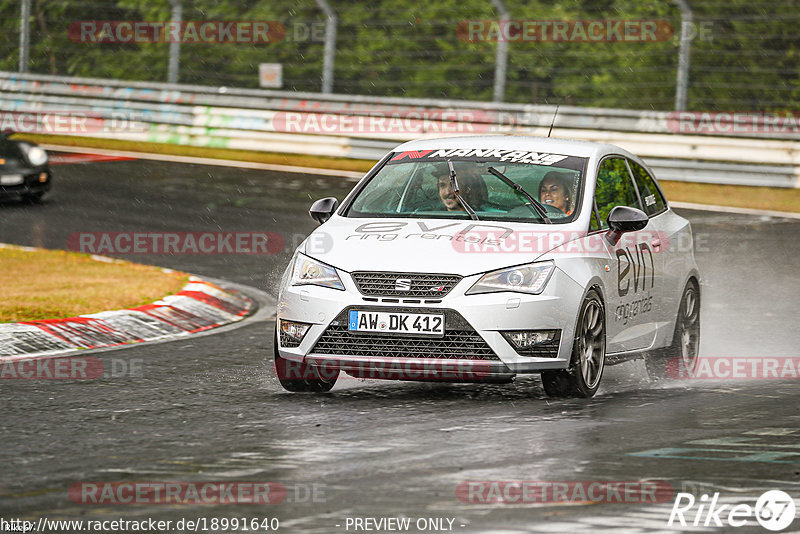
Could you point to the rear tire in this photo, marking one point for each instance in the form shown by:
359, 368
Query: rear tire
301, 378
680, 358
582, 377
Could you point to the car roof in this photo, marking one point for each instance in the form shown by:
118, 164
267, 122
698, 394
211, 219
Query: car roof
553, 145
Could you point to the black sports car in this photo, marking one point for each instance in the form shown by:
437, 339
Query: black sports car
24, 169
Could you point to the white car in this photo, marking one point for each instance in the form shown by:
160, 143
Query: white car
480, 258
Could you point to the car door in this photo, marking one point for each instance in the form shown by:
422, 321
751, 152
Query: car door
633, 277
665, 233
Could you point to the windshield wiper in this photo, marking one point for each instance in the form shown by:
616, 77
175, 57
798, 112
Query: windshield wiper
540, 209
457, 192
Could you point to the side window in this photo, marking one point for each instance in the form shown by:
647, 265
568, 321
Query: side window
651, 196
614, 188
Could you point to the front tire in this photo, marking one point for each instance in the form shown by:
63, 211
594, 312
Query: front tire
681, 357
301, 378
582, 377
34, 198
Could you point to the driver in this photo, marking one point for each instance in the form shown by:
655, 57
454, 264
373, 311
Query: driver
554, 190
473, 188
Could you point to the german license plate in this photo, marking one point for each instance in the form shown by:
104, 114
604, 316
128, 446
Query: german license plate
428, 324
11, 179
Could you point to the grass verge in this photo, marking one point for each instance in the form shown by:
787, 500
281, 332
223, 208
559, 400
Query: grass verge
53, 284
739, 196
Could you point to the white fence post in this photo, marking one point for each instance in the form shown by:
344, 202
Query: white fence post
682, 83
175, 46
24, 35
501, 57
330, 45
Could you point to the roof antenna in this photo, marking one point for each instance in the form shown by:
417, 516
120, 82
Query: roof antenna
552, 123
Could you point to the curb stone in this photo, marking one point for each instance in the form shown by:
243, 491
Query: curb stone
199, 306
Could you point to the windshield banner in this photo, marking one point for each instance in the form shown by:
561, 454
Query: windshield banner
484, 154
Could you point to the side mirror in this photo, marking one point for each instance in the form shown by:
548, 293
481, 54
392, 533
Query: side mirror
323, 209
624, 219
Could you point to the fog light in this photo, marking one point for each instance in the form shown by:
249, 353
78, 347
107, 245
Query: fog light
293, 333
541, 342
43, 177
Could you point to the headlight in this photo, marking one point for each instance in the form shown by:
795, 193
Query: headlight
307, 271
523, 279
36, 156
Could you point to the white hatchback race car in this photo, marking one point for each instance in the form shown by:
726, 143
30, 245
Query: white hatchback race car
479, 258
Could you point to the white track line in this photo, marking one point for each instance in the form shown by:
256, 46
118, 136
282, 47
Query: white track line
730, 209
207, 161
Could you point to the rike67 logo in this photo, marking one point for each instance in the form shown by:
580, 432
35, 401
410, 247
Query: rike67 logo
774, 510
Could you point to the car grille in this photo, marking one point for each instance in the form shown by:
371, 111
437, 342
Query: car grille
460, 342
385, 284
288, 342
549, 350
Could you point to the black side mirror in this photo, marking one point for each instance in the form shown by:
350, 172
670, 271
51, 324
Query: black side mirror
624, 219
323, 209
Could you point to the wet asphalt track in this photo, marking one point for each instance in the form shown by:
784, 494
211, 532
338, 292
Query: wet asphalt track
209, 408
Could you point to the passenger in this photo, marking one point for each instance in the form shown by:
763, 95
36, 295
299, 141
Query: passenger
555, 190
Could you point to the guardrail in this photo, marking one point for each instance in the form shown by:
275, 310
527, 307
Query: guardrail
366, 127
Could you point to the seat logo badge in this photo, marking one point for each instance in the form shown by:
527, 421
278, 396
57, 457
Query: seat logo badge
402, 284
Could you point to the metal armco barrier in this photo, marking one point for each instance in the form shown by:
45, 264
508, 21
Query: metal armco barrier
366, 127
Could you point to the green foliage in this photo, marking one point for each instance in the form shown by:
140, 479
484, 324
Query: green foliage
745, 56
614, 188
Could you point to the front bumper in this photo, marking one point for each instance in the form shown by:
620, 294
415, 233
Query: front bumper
31, 182
485, 316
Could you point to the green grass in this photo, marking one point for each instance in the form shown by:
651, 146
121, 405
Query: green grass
740, 196
53, 284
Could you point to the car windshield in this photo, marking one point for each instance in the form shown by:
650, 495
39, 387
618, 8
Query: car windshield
8, 148
418, 184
